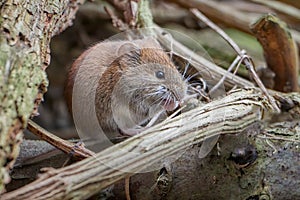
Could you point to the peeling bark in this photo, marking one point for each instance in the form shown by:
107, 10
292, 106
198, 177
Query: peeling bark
26, 29
280, 51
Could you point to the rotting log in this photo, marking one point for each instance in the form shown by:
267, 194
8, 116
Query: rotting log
231, 114
215, 177
26, 29
280, 51
276, 145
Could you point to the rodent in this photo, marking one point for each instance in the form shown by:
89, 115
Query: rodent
133, 81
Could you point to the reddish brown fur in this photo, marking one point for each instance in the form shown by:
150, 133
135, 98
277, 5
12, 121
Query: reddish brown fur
155, 55
103, 62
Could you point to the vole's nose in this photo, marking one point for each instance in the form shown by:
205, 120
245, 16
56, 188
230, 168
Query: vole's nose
162, 88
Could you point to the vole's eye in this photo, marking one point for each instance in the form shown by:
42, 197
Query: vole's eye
160, 74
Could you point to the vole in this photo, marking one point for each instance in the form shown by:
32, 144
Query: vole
131, 82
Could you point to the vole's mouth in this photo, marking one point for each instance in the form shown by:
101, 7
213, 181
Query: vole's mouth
170, 104
168, 99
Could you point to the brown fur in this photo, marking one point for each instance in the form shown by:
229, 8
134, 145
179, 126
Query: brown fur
122, 81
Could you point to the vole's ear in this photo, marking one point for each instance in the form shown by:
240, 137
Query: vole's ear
126, 48
129, 54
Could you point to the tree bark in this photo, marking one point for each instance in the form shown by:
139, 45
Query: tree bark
280, 51
25, 55
26, 30
88, 177
248, 165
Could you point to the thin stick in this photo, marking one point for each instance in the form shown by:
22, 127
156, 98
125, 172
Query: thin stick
127, 188
233, 64
242, 53
176, 112
79, 152
154, 118
213, 26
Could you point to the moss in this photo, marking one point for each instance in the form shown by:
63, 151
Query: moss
20, 76
145, 18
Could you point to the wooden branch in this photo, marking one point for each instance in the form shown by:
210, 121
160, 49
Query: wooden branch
190, 176
218, 13
281, 7
280, 52
78, 151
291, 2
26, 30
242, 54
222, 13
81, 180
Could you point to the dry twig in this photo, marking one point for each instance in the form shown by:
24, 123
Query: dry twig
242, 54
79, 152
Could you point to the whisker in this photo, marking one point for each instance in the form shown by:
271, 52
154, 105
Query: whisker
157, 102
195, 84
190, 77
186, 67
154, 93
161, 98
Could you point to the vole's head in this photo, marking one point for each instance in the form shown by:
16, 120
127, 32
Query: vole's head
151, 79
